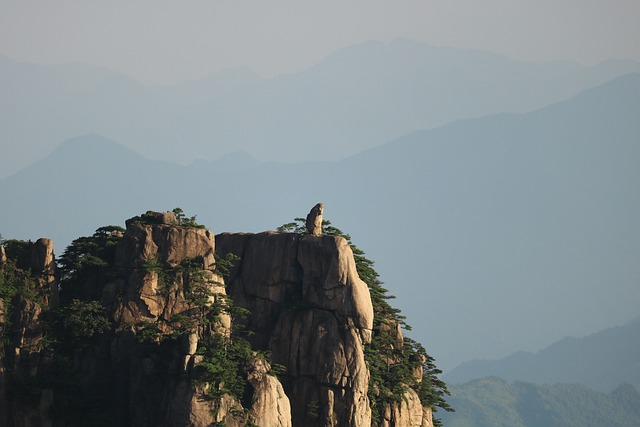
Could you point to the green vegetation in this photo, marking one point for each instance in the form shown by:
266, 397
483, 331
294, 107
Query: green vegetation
185, 221
224, 357
87, 264
81, 326
223, 366
492, 402
312, 410
82, 320
16, 280
391, 363
151, 218
18, 252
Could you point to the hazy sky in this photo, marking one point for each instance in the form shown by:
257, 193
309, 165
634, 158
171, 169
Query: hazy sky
160, 41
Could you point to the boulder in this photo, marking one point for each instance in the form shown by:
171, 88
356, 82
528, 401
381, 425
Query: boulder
269, 405
314, 220
42, 260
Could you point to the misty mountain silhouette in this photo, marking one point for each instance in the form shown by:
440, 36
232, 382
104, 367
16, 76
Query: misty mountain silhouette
602, 361
493, 402
497, 234
359, 97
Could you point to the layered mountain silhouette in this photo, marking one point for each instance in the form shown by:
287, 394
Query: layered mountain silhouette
497, 234
359, 97
602, 361
493, 402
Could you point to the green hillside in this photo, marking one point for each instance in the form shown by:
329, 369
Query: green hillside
492, 402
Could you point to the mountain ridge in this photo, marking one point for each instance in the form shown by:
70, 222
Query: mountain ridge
465, 208
340, 106
602, 361
494, 402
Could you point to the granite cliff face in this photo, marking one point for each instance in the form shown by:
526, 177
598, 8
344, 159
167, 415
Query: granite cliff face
144, 319
313, 313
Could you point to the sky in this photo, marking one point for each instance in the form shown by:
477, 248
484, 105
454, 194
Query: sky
164, 42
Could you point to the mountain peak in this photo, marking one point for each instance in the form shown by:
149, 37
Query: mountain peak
93, 144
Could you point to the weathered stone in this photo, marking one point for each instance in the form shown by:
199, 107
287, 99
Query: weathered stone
42, 260
409, 412
276, 271
143, 243
190, 343
201, 410
330, 281
311, 310
314, 220
322, 355
43, 265
189, 347
418, 371
3, 256
307, 305
427, 417
230, 412
150, 292
270, 405
153, 218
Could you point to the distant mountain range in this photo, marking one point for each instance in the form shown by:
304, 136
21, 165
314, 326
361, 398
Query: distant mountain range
497, 234
492, 402
357, 98
602, 361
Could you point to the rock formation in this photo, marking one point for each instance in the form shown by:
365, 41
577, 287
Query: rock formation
313, 313
23, 330
144, 311
314, 220
270, 405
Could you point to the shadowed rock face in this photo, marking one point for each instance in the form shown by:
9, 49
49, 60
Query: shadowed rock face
310, 309
21, 359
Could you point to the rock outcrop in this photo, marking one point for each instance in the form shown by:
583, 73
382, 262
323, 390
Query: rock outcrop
270, 405
160, 266
408, 413
149, 291
23, 329
314, 220
132, 341
313, 313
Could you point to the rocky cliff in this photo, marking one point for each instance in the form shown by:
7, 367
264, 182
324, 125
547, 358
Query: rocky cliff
152, 327
313, 314
28, 292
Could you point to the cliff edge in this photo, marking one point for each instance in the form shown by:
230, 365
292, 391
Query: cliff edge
165, 324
